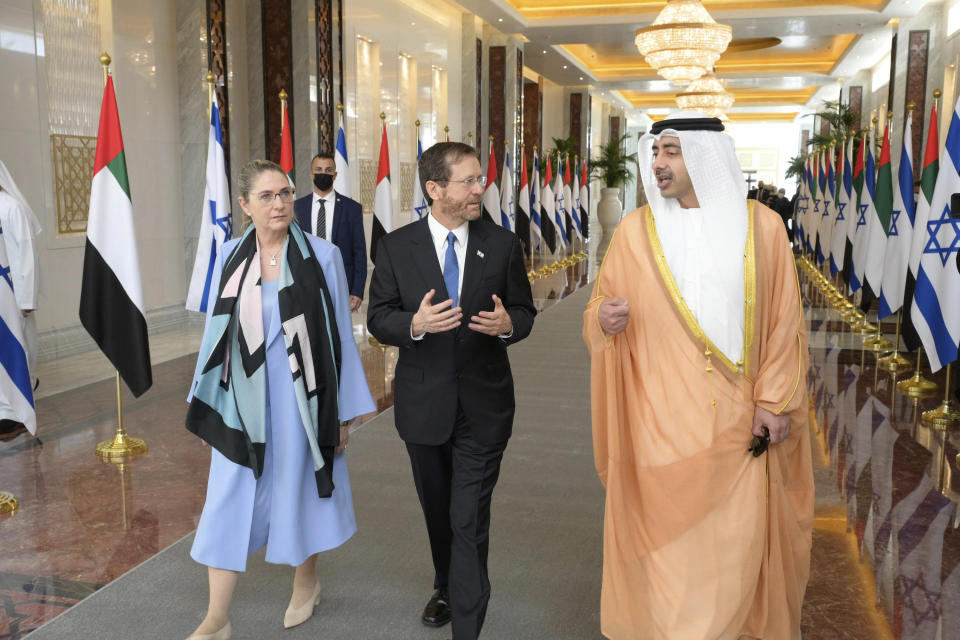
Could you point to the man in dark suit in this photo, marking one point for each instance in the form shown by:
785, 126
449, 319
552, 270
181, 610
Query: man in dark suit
335, 217
453, 397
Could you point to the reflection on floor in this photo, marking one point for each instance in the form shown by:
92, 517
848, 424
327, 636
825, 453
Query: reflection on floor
890, 493
885, 556
83, 522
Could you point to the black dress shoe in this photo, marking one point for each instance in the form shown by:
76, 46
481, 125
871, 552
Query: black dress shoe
437, 611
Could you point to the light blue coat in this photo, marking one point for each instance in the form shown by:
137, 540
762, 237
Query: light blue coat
281, 509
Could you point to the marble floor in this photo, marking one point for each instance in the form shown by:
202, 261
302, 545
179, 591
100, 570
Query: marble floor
83, 522
886, 548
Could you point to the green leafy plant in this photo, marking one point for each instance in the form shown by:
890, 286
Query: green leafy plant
614, 166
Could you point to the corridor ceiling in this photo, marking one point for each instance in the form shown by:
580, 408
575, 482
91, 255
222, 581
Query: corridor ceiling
787, 56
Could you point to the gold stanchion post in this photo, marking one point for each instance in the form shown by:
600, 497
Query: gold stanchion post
895, 363
8, 502
122, 445
946, 416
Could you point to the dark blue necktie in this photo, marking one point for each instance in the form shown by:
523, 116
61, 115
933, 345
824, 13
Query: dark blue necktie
451, 270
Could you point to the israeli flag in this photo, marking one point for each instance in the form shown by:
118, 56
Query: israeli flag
936, 298
418, 203
16, 387
216, 223
341, 184
536, 231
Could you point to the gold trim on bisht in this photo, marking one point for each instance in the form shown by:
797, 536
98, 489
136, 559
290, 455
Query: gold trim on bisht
749, 298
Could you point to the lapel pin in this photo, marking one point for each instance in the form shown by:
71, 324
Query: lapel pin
479, 253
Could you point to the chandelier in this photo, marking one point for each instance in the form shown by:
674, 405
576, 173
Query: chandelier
684, 42
708, 95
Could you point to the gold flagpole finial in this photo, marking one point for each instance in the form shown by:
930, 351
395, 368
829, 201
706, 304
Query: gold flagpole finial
383, 116
936, 94
889, 115
283, 95
417, 123
105, 60
491, 138
912, 106
340, 107
210, 77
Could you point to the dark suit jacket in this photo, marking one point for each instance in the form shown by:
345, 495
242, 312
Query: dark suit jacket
347, 235
442, 369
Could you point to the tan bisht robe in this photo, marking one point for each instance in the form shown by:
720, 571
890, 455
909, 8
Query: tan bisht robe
702, 541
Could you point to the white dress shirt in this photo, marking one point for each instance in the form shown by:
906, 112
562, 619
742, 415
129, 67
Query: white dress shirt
331, 200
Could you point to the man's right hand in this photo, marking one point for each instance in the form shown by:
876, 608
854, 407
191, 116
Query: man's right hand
435, 318
614, 315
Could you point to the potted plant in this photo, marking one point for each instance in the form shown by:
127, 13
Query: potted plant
613, 167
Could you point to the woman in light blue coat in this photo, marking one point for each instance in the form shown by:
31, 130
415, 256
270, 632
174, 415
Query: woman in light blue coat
277, 386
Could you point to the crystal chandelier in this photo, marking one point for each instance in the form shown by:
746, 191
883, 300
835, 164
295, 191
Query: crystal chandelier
684, 42
708, 95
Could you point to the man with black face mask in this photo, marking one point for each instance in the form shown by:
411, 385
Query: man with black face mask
338, 219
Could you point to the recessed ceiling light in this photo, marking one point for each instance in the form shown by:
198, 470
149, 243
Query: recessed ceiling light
544, 50
564, 66
581, 77
413, 24
499, 19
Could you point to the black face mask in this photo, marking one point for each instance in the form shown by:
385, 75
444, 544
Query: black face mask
323, 181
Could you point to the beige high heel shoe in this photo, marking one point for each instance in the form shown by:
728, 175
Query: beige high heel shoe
223, 634
301, 614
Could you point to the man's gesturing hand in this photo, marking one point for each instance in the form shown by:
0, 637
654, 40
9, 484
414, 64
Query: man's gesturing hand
778, 426
435, 318
614, 315
492, 323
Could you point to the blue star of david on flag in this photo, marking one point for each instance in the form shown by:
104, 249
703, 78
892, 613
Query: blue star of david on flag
826, 211
421, 210
840, 207
894, 216
935, 227
863, 215
816, 205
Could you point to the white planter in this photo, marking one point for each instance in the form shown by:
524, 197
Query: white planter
609, 209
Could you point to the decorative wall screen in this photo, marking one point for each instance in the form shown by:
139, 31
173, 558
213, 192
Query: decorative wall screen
72, 48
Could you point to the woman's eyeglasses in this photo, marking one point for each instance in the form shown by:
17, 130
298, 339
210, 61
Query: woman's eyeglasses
266, 198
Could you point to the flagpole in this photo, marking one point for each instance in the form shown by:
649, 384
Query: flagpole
470, 138
946, 416
121, 445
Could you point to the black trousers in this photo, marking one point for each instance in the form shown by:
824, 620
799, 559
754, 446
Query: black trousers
455, 482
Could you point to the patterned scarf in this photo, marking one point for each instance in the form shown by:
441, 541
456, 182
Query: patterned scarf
228, 409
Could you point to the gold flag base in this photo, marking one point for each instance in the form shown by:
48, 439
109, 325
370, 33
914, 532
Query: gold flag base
121, 446
917, 386
943, 418
8, 502
894, 363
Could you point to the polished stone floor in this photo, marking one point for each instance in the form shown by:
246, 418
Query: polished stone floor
885, 553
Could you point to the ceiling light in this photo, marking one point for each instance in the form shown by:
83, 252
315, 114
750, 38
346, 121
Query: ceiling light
708, 95
499, 19
564, 66
684, 42
544, 50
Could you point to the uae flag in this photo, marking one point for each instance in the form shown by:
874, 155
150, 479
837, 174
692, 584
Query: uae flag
548, 205
523, 205
383, 200
490, 207
111, 300
584, 201
286, 145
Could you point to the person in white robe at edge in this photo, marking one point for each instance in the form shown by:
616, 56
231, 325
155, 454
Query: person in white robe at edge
20, 226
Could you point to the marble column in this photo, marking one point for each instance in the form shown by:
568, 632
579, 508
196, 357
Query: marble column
192, 66
303, 80
277, 45
918, 49
254, 76
471, 78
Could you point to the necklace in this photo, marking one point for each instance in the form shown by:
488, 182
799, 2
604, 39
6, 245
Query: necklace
273, 257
